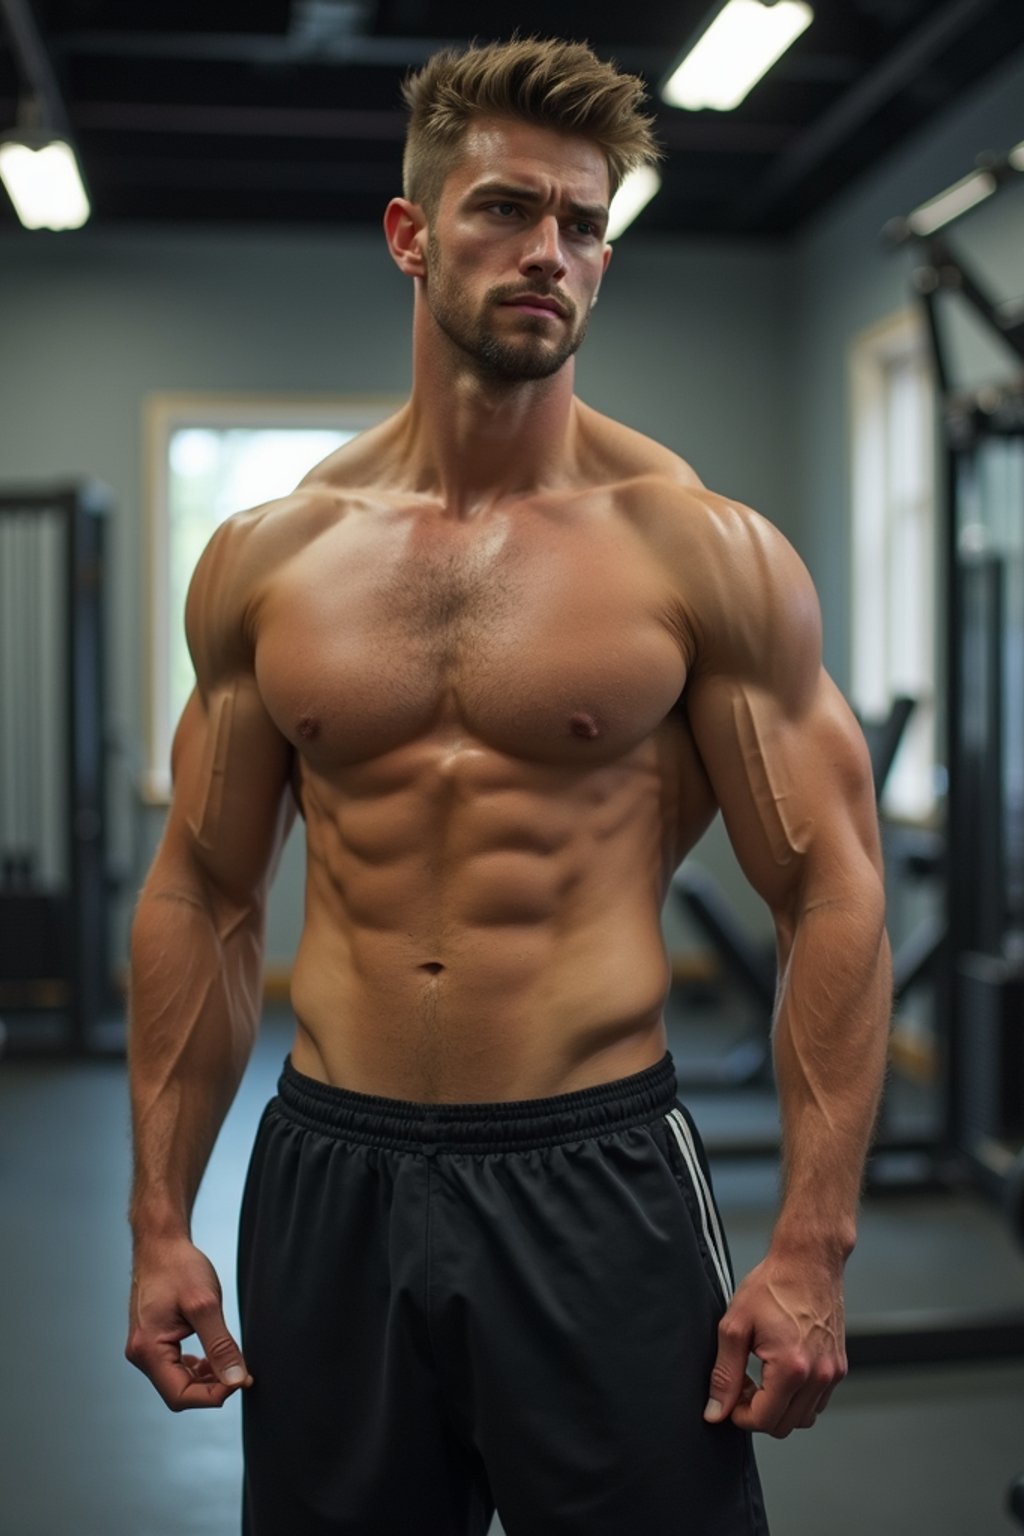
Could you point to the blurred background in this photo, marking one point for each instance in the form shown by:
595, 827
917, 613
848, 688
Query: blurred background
820, 307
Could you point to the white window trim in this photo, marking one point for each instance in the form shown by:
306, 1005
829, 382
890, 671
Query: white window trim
872, 352
162, 415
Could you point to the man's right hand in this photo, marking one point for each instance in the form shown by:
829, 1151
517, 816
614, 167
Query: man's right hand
176, 1293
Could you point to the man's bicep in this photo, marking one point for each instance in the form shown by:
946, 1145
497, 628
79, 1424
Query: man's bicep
794, 786
231, 805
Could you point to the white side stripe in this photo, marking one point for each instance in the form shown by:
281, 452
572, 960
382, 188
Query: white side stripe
708, 1214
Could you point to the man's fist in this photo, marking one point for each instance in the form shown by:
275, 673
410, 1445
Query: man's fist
176, 1293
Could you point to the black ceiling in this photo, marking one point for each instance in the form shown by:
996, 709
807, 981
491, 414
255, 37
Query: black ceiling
288, 111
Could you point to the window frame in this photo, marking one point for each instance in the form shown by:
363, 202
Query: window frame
900, 339
165, 413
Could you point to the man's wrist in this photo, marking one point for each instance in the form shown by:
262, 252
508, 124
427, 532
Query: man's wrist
808, 1239
162, 1220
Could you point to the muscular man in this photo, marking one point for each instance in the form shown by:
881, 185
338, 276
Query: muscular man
508, 657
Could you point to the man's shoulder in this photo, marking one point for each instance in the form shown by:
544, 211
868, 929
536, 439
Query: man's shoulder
241, 560
255, 538
615, 452
740, 582
704, 528
661, 491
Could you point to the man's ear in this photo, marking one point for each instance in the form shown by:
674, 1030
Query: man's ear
405, 226
606, 258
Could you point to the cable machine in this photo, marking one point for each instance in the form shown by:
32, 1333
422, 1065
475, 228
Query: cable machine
982, 992
980, 954
975, 955
54, 931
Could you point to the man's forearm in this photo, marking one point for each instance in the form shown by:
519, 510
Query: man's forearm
831, 1037
195, 990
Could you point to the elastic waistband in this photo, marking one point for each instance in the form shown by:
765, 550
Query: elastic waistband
516, 1123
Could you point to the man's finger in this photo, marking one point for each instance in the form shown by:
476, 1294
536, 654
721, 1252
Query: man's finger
181, 1380
199, 1368
222, 1352
729, 1372
789, 1398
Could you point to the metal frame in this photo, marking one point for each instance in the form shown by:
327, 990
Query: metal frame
962, 1153
78, 985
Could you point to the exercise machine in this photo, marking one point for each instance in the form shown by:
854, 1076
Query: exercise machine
974, 953
54, 935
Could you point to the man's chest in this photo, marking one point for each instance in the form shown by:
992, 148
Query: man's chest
545, 639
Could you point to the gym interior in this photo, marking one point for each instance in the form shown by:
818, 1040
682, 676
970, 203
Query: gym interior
822, 311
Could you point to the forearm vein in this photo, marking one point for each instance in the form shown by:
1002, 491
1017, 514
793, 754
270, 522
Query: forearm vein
830, 1041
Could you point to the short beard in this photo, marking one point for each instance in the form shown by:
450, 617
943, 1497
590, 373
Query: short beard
508, 362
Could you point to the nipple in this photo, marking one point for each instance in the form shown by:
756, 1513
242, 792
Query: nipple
584, 725
308, 727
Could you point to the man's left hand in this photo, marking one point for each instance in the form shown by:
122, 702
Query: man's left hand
789, 1313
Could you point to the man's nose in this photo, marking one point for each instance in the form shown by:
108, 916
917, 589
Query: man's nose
543, 250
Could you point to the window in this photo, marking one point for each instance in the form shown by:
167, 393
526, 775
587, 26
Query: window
210, 457
893, 548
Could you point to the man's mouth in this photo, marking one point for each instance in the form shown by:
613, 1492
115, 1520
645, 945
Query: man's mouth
535, 304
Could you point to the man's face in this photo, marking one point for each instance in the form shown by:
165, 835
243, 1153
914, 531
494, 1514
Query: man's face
515, 251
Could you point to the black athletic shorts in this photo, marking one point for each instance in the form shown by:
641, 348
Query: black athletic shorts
452, 1307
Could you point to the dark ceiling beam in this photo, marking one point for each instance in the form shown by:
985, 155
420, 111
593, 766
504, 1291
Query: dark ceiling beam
683, 134
689, 133
240, 122
384, 52
242, 176
36, 71
826, 133
255, 48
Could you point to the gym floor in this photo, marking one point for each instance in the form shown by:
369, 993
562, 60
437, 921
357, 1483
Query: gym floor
87, 1448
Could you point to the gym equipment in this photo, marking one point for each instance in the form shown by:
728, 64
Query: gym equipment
750, 964
980, 953
1013, 1197
976, 954
1015, 1501
1014, 1204
53, 884
983, 962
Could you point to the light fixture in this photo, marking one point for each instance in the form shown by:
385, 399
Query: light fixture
635, 193
742, 43
42, 178
1016, 157
954, 201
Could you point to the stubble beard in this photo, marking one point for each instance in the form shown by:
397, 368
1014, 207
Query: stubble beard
499, 358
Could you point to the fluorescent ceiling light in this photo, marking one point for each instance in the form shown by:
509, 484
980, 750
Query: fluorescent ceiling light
635, 193
44, 184
951, 203
1017, 157
741, 44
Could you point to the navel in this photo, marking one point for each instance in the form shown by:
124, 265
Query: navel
585, 726
432, 967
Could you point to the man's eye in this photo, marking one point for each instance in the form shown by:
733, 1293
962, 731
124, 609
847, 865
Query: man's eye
503, 208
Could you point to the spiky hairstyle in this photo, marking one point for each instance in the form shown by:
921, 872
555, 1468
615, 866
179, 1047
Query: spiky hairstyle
545, 81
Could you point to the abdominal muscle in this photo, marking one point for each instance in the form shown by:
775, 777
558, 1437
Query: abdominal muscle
480, 928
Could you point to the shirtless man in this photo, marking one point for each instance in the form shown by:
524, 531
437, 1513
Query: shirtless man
508, 657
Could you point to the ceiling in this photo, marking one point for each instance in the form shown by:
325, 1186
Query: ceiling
288, 112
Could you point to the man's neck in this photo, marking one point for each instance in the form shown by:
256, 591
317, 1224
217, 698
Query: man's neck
476, 440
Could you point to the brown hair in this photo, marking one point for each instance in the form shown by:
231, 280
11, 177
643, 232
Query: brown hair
551, 83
